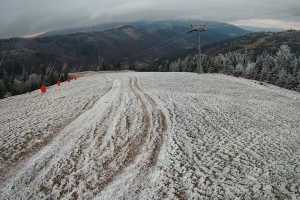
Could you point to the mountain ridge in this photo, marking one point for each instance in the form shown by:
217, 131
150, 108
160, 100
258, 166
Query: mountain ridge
118, 44
138, 24
257, 43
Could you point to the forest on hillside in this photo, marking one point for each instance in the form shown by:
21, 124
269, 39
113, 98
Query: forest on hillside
281, 69
14, 82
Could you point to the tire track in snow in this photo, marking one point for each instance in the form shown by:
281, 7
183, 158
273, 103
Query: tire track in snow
154, 137
29, 150
161, 120
57, 156
86, 158
144, 160
31, 146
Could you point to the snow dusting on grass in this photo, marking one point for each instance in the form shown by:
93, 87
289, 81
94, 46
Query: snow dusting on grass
151, 136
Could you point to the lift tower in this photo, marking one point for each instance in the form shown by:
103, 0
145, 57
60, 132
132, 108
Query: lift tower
199, 29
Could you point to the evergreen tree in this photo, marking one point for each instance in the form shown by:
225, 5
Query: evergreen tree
266, 71
282, 78
284, 59
219, 63
250, 69
3, 89
239, 70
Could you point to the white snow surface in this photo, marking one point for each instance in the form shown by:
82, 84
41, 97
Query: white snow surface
135, 135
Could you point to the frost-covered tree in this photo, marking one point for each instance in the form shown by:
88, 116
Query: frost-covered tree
250, 69
205, 63
267, 64
174, 66
282, 78
295, 66
187, 64
219, 62
239, 70
298, 81
232, 59
283, 59
18, 87
282, 69
34, 81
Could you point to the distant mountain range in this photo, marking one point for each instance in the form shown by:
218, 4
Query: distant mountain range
142, 46
259, 29
257, 43
111, 43
148, 26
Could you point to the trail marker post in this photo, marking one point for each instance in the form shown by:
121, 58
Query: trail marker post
43, 89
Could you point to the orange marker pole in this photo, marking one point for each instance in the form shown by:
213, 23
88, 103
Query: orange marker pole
43, 89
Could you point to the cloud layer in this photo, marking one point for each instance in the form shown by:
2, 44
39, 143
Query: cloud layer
20, 17
269, 23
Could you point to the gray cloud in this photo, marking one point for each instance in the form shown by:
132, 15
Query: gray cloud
20, 17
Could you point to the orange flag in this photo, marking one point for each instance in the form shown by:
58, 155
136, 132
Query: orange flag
43, 89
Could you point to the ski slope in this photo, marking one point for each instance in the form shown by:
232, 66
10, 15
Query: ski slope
134, 135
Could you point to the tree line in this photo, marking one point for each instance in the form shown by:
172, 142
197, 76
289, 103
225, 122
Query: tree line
15, 80
281, 69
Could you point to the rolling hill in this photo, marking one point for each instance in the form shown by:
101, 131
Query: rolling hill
257, 43
113, 43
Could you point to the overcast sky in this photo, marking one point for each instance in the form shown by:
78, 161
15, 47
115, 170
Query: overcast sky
25, 17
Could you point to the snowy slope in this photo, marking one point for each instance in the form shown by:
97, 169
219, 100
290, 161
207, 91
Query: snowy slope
151, 136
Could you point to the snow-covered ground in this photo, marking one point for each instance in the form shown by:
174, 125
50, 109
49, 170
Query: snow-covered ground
151, 136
